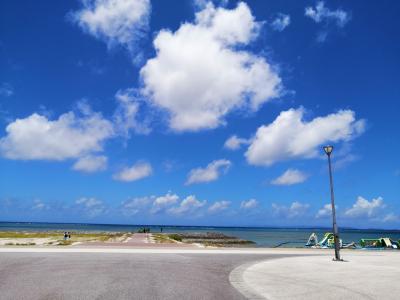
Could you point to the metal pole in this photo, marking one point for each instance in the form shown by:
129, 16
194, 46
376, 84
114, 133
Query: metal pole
335, 228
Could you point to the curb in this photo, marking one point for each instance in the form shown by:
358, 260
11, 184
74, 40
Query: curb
236, 280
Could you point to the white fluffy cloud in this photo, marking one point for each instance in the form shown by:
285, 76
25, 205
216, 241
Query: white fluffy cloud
296, 209
235, 142
162, 202
290, 137
138, 171
185, 76
70, 136
114, 21
249, 204
219, 206
289, 177
189, 205
91, 206
126, 114
320, 13
280, 22
325, 211
365, 208
91, 163
201, 4
209, 173
132, 206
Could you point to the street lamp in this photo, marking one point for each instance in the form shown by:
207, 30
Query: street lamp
328, 150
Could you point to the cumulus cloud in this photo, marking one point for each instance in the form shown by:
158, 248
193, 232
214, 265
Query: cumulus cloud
249, 204
280, 22
201, 4
91, 163
209, 173
320, 13
290, 177
235, 142
325, 211
364, 208
126, 116
133, 206
291, 137
79, 134
162, 202
70, 136
219, 206
296, 209
189, 205
184, 78
91, 206
114, 21
138, 171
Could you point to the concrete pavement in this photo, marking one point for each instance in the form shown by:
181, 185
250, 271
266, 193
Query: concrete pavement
363, 275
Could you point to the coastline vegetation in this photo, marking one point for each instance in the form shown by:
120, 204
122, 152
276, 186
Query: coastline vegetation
22, 238
214, 239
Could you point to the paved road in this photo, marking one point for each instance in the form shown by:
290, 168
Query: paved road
119, 276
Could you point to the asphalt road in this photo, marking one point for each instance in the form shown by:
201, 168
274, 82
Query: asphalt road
119, 276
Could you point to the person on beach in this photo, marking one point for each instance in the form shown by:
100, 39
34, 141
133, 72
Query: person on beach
65, 235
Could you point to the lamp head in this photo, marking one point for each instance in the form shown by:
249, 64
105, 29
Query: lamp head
328, 149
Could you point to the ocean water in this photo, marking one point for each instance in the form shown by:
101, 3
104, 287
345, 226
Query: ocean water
263, 237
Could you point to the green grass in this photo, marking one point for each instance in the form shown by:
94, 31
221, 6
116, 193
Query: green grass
162, 238
27, 235
209, 239
20, 244
175, 237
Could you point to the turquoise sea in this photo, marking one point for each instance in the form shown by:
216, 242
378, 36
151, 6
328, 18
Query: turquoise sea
262, 236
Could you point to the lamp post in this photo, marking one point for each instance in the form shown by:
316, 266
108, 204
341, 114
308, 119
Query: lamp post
328, 150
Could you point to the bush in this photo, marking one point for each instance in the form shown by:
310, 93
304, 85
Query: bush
176, 237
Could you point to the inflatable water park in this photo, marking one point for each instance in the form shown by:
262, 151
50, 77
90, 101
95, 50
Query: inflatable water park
328, 241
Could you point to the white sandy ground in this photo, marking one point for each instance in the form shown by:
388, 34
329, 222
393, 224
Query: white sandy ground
37, 241
46, 241
363, 275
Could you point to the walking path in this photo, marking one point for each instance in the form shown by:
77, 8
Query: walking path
363, 275
137, 240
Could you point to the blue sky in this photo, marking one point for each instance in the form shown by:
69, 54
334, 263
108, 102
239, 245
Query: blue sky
199, 113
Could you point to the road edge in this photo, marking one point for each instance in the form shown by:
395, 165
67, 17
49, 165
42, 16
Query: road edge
237, 281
